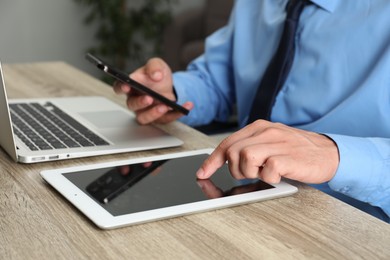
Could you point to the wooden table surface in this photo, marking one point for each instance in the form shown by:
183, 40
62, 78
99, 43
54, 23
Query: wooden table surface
38, 223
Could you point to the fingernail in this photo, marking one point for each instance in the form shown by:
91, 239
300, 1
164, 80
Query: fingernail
148, 100
200, 173
162, 109
125, 88
157, 75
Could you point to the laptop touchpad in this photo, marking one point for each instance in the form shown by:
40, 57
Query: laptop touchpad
109, 119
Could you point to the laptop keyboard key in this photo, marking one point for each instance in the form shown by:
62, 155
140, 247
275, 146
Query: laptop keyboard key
48, 127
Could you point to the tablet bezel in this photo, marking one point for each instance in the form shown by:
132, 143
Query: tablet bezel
104, 220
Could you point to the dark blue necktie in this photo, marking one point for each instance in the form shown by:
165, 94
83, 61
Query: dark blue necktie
279, 67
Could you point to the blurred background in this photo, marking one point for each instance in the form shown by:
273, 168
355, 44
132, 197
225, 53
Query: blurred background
125, 33
53, 30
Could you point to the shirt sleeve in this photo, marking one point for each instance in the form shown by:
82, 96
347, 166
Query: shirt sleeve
364, 170
208, 80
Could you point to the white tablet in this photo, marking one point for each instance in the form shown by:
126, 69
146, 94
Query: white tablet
134, 191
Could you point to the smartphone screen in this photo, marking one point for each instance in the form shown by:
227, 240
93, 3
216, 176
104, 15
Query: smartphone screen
123, 77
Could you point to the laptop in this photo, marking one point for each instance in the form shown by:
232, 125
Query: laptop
48, 129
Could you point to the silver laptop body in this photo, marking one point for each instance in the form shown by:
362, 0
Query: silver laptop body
72, 127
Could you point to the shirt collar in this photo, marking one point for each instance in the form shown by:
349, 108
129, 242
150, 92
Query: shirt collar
328, 5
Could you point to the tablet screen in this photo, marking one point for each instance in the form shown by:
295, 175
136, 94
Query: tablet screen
139, 187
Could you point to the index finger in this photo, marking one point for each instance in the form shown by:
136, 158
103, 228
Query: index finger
212, 164
218, 157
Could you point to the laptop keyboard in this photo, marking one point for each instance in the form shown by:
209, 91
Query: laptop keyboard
46, 127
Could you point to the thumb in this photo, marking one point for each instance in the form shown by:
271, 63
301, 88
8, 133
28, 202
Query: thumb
156, 68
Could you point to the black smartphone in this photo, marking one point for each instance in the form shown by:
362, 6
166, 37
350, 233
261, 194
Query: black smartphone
123, 77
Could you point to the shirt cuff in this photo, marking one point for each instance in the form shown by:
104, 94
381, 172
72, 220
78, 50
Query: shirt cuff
354, 174
179, 90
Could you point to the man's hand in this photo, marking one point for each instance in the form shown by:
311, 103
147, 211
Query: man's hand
157, 75
271, 151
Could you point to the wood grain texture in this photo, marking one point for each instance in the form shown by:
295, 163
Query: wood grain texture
37, 223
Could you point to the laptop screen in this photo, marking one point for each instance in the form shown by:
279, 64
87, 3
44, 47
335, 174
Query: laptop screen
6, 134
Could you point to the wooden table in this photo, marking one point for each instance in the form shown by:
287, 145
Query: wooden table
37, 223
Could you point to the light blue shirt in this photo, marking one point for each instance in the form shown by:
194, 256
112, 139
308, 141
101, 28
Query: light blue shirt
339, 83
